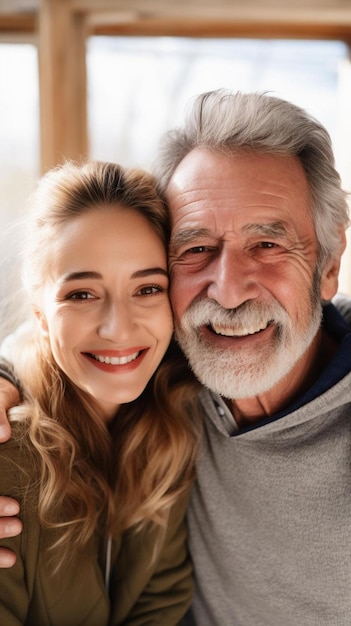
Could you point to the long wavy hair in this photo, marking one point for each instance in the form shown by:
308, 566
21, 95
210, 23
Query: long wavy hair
94, 477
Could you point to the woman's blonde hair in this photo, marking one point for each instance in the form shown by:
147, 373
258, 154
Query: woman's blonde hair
92, 478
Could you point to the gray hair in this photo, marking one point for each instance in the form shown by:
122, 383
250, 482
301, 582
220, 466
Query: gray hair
226, 121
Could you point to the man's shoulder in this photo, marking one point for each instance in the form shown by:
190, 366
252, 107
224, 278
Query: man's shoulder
343, 304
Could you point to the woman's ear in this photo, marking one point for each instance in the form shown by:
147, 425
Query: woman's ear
42, 322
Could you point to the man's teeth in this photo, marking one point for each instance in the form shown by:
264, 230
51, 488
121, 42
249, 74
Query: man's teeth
229, 331
115, 360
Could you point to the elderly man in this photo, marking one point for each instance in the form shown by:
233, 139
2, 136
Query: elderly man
258, 230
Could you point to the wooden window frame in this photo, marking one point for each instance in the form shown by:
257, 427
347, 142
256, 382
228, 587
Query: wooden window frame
61, 27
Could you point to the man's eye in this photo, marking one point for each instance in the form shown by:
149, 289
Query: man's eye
267, 244
196, 250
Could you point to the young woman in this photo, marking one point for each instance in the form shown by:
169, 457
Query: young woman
102, 450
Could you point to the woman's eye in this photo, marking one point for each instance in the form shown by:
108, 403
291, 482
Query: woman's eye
150, 290
80, 295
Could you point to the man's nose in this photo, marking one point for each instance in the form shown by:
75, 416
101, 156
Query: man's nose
233, 279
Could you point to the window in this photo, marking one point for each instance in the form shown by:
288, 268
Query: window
19, 146
139, 86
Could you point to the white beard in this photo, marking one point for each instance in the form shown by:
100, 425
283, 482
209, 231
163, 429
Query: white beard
236, 373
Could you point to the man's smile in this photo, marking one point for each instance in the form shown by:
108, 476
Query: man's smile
232, 331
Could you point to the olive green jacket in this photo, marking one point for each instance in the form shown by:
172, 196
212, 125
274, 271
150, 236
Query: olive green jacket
144, 589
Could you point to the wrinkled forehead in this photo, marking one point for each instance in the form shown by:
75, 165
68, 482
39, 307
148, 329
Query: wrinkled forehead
209, 187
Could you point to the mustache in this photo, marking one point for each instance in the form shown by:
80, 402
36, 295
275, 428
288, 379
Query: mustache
207, 312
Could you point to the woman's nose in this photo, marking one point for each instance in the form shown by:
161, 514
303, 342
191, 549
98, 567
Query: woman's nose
116, 322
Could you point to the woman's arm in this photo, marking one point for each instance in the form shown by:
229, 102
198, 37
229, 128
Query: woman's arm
153, 591
14, 597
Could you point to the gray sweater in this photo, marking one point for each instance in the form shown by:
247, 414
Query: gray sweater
270, 513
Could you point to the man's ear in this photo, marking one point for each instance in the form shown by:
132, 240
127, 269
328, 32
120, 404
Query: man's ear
330, 273
42, 322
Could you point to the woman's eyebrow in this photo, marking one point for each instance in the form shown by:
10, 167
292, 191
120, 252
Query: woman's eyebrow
83, 275
149, 272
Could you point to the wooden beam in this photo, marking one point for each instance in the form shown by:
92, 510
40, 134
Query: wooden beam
117, 25
211, 8
223, 28
208, 19
21, 23
63, 92
317, 19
